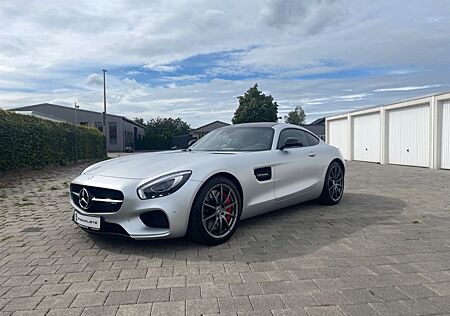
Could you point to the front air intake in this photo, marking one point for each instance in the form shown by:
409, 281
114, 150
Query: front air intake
155, 219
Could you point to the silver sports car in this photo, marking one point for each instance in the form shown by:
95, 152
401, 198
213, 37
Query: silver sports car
230, 174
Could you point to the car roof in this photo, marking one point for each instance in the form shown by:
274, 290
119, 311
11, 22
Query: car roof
257, 124
274, 125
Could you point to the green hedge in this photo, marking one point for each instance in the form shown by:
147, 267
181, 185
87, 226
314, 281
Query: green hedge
154, 142
28, 141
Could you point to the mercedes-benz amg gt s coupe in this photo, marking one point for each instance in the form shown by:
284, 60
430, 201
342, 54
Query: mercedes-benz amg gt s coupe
231, 174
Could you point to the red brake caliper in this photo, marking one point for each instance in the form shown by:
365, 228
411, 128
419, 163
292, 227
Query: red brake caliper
228, 209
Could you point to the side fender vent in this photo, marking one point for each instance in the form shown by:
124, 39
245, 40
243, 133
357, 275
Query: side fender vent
263, 174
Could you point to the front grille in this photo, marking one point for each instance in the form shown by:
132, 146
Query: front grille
102, 200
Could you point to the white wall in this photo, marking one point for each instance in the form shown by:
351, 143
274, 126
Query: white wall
445, 135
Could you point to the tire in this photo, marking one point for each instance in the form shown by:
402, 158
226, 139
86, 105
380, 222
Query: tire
215, 212
334, 177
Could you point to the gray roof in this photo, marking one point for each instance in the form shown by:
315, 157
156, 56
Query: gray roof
318, 121
390, 103
209, 127
316, 129
35, 107
40, 115
258, 124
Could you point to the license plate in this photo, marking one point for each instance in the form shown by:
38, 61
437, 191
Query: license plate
87, 221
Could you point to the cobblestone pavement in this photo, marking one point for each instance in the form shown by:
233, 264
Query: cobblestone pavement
385, 249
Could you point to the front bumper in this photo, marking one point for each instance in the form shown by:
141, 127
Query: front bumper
176, 207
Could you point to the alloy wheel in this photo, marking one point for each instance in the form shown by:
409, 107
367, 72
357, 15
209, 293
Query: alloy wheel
220, 210
336, 183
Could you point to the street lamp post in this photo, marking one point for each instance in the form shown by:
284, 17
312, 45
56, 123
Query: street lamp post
104, 101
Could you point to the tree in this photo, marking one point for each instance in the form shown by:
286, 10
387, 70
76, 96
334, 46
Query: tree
168, 126
255, 106
139, 120
159, 132
296, 116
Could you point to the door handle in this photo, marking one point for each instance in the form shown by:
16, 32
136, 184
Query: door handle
311, 154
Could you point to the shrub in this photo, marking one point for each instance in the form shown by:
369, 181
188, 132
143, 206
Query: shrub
28, 141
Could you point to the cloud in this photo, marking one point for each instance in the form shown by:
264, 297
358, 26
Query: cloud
314, 16
94, 79
161, 68
183, 77
173, 58
133, 72
408, 88
353, 97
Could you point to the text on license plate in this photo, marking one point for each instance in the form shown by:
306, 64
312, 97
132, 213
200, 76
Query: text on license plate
87, 221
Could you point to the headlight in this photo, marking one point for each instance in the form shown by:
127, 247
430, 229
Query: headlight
164, 185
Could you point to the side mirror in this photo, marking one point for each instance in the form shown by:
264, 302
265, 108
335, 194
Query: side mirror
292, 142
191, 142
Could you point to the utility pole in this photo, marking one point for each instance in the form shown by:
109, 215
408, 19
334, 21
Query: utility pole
104, 101
76, 136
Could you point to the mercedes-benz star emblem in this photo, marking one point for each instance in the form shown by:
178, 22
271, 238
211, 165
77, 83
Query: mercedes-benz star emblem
85, 200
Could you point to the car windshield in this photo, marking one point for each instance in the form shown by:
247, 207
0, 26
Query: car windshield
235, 138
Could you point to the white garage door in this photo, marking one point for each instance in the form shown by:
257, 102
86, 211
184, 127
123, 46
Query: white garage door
366, 137
445, 148
338, 135
409, 141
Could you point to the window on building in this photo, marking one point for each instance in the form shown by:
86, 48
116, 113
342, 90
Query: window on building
127, 136
99, 126
113, 133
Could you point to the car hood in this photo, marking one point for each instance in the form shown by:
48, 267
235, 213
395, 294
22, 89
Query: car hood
149, 165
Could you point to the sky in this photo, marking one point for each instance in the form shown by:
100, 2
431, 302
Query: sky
192, 59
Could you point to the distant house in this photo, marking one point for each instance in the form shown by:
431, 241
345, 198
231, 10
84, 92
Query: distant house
120, 131
317, 127
205, 129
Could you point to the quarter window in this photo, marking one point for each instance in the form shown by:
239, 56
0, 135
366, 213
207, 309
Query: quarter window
312, 139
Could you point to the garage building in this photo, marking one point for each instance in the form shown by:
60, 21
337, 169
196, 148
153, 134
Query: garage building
413, 133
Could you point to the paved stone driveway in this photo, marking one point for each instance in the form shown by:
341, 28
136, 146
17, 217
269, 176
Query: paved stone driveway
384, 250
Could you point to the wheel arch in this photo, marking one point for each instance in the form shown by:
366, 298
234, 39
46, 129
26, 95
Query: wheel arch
230, 177
224, 174
339, 161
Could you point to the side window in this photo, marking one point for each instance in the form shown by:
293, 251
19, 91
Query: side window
311, 139
292, 132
